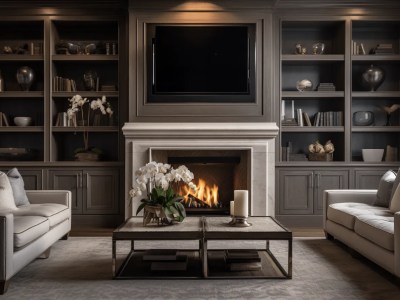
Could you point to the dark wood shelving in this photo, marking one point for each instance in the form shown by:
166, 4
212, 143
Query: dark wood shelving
22, 94
376, 129
20, 57
312, 128
85, 94
312, 57
86, 128
312, 94
377, 94
375, 57
22, 129
91, 57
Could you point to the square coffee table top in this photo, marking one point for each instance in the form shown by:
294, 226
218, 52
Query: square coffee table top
262, 228
194, 228
190, 228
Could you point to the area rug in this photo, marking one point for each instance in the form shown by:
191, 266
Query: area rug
80, 268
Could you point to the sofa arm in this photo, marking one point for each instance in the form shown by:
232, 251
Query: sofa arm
341, 196
397, 244
6, 245
49, 196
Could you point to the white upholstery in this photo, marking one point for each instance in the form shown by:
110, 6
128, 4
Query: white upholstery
345, 213
377, 229
373, 231
33, 229
54, 212
29, 228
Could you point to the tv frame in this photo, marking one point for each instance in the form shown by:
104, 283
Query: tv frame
161, 98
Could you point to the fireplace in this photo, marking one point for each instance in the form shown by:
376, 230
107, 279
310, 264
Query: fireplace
230, 155
217, 173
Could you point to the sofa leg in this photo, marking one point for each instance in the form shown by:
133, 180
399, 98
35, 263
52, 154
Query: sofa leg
329, 236
45, 254
4, 286
65, 237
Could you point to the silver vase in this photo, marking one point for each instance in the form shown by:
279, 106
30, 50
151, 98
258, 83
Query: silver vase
372, 78
25, 77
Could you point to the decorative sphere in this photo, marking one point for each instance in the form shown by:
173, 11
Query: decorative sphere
25, 77
372, 78
304, 85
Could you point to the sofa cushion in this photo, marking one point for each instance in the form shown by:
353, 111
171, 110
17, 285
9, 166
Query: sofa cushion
345, 213
385, 189
18, 187
377, 229
395, 203
56, 213
395, 183
6, 194
28, 229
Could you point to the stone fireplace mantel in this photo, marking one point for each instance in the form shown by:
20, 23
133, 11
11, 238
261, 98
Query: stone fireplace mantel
142, 139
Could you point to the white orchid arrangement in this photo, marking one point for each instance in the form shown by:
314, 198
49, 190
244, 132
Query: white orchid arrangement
77, 103
156, 180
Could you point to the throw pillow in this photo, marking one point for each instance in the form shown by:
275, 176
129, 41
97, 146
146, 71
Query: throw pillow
6, 194
385, 189
18, 187
395, 184
395, 203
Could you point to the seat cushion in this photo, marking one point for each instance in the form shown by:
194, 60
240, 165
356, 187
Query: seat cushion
377, 229
345, 213
56, 213
28, 229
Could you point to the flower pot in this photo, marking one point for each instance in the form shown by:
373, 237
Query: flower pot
155, 215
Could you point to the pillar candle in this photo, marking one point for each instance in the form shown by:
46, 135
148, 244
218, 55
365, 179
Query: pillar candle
232, 208
241, 208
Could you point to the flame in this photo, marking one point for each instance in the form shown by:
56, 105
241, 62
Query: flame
204, 196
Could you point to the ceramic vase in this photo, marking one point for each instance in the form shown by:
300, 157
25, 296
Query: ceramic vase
372, 78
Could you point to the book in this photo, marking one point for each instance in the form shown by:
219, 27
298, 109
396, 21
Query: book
245, 266
300, 117
307, 119
168, 266
241, 254
160, 255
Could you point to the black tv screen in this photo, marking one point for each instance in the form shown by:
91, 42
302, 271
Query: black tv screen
202, 63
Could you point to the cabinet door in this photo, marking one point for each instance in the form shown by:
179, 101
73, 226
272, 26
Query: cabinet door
368, 179
296, 192
328, 180
70, 180
101, 191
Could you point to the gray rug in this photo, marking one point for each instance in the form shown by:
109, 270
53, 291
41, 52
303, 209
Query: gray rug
80, 268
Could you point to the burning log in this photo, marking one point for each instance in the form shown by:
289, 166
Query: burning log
193, 201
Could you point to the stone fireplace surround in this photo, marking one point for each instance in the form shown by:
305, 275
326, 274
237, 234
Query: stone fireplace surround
142, 139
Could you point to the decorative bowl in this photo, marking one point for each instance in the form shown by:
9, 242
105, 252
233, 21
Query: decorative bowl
372, 155
304, 85
22, 121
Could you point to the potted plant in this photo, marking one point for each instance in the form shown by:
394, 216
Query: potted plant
161, 204
85, 106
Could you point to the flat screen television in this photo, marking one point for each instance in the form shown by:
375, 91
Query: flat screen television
201, 63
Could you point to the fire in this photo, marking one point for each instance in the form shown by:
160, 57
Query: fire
204, 196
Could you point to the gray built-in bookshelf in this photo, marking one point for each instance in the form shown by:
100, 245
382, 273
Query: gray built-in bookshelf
339, 107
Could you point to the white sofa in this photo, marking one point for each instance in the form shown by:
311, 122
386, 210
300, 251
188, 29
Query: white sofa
28, 232
373, 231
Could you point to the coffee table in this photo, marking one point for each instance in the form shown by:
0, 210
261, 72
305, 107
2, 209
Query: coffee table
264, 229
204, 230
133, 230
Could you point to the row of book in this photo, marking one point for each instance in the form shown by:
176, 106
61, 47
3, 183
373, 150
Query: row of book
357, 48
63, 120
327, 118
61, 84
4, 119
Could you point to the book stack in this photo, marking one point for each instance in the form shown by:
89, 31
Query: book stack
289, 122
166, 260
243, 260
108, 88
326, 87
382, 49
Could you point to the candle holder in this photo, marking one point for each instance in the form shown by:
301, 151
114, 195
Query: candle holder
239, 222
231, 222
